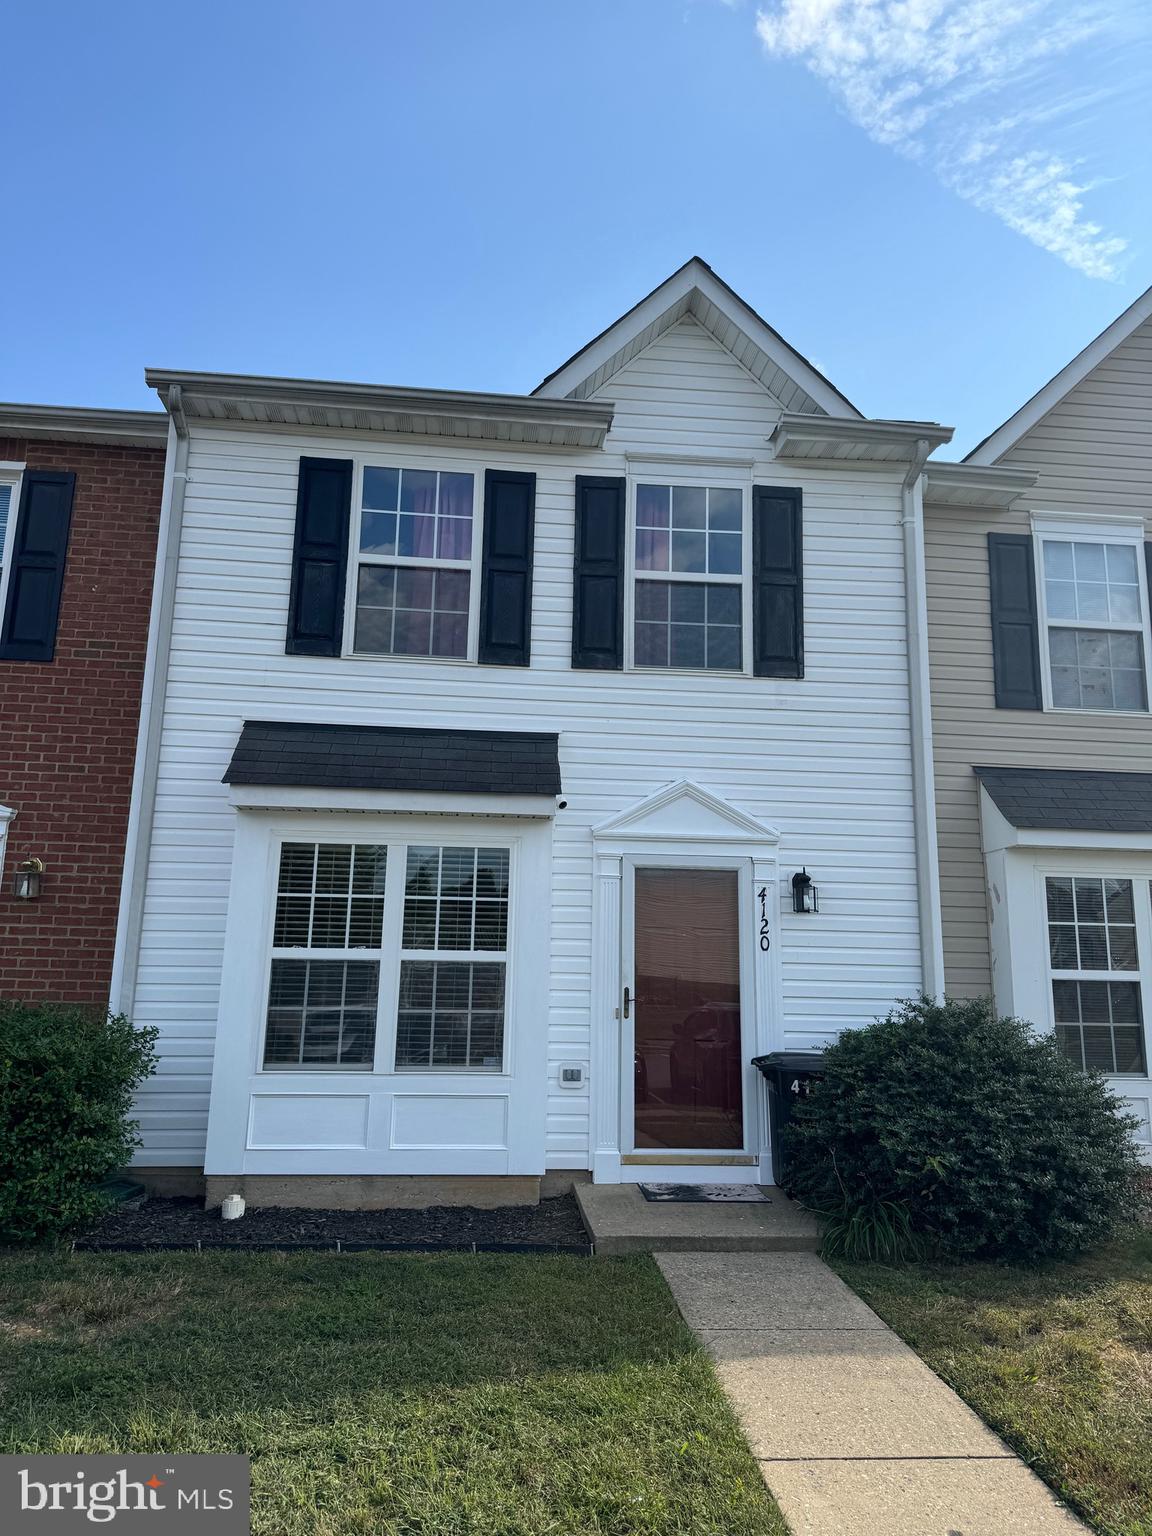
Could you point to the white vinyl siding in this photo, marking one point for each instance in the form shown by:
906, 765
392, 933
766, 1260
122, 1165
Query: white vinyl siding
827, 763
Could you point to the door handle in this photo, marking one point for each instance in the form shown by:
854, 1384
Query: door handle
627, 1001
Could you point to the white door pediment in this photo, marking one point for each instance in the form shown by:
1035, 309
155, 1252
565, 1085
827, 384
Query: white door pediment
686, 812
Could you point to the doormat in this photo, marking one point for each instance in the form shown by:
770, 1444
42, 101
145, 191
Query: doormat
705, 1194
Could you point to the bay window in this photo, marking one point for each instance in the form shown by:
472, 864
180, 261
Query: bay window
690, 558
388, 958
1096, 970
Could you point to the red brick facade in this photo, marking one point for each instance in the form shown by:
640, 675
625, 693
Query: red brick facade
68, 727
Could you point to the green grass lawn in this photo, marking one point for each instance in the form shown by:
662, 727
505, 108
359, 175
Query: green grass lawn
487, 1395
1058, 1360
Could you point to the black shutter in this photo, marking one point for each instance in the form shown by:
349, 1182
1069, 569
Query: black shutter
778, 582
598, 574
506, 572
1015, 628
320, 558
39, 548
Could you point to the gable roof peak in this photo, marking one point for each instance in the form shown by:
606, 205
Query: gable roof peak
695, 291
1061, 385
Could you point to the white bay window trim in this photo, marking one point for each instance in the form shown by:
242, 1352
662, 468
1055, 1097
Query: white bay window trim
1019, 864
1082, 528
387, 458
700, 475
380, 1120
390, 955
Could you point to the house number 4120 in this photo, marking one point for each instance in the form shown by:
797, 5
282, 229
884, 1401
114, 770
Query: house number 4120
765, 930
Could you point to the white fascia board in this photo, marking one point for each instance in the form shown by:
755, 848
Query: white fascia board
695, 274
260, 797
1000, 487
795, 428
999, 835
465, 405
1073, 373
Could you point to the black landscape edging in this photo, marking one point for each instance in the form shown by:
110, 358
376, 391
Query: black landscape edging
206, 1245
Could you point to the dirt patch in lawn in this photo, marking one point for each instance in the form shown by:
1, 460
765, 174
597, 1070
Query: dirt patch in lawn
553, 1225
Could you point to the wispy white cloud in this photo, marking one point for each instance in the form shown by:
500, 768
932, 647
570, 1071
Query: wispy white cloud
974, 90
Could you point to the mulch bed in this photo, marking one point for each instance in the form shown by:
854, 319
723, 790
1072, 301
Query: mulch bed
553, 1226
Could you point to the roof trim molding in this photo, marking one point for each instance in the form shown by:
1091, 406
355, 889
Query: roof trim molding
273, 800
1044, 400
690, 290
255, 400
798, 434
972, 485
83, 424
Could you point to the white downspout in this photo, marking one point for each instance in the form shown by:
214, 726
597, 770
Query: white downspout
138, 843
920, 700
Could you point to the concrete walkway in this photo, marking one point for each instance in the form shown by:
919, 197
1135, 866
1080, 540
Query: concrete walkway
854, 1434
620, 1220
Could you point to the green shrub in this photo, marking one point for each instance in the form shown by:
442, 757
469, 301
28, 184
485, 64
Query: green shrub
66, 1079
994, 1144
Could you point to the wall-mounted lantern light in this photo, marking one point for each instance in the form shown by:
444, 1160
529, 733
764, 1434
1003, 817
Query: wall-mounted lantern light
26, 886
805, 896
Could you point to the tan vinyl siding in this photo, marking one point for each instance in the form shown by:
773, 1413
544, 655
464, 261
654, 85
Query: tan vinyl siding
1094, 453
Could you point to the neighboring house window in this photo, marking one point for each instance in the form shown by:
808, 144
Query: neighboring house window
417, 543
9, 482
691, 555
1094, 611
1095, 967
339, 957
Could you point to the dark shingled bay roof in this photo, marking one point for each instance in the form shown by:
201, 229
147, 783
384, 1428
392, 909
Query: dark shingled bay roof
303, 756
1071, 799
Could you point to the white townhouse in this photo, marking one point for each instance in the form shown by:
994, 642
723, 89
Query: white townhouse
516, 769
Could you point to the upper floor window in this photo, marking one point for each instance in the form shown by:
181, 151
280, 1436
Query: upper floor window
690, 560
415, 571
1096, 623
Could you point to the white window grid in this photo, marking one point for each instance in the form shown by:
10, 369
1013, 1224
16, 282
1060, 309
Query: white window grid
7, 816
10, 477
1141, 884
1051, 529
385, 459
389, 957
704, 478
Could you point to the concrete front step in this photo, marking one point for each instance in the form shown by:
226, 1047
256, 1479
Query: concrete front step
620, 1220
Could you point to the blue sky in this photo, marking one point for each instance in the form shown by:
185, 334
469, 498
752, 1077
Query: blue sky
937, 201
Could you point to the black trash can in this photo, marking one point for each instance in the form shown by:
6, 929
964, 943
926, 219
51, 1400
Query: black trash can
790, 1075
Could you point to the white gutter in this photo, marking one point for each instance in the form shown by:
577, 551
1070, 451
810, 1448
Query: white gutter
138, 844
920, 702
